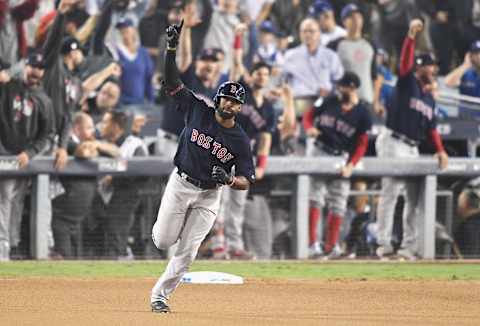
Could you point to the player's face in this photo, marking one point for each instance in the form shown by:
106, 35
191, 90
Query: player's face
108, 96
77, 56
33, 75
261, 77
229, 108
310, 33
427, 73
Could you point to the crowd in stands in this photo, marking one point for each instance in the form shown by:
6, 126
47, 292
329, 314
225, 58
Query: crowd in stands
79, 78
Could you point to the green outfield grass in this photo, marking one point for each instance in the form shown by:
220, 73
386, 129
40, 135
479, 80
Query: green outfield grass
264, 270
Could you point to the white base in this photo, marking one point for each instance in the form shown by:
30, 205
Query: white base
211, 278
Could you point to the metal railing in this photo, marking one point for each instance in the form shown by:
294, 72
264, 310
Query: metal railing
425, 169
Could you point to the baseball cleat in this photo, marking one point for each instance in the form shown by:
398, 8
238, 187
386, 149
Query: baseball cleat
384, 251
160, 306
406, 254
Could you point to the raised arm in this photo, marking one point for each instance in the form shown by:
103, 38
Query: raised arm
53, 45
102, 27
84, 33
238, 69
454, 78
407, 55
25, 10
97, 79
172, 77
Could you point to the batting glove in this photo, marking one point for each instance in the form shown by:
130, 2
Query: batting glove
173, 34
221, 176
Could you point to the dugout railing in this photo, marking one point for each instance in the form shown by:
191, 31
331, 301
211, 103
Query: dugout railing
425, 169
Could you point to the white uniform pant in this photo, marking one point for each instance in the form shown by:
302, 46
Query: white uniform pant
12, 197
187, 214
389, 147
332, 192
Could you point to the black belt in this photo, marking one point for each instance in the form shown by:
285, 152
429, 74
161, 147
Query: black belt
197, 183
329, 150
404, 139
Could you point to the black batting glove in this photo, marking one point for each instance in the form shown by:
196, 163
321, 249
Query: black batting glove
173, 34
221, 176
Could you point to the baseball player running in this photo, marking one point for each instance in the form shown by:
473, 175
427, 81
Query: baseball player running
339, 126
209, 146
410, 119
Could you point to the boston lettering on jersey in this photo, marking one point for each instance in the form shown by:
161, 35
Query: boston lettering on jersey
410, 111
340, 130
205, 142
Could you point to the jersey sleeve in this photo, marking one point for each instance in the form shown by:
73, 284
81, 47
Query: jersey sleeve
367, 122
244, 162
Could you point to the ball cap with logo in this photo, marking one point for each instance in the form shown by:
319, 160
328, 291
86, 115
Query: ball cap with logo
70, 44
425, 59
36, 60
349, 79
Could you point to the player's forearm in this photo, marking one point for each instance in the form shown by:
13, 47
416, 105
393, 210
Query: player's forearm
172, 76
407, 56
240, 183
360, 149
436, 140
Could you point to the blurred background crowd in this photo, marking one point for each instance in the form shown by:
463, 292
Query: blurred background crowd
100, 63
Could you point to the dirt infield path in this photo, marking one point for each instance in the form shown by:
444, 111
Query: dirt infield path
61, 301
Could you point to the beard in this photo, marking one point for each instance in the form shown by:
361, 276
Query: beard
225, 115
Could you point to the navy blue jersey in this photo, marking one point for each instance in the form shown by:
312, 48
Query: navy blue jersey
340, 129
410, 111
204, 143
254, 119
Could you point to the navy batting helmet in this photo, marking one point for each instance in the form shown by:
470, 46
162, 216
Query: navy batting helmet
232, 90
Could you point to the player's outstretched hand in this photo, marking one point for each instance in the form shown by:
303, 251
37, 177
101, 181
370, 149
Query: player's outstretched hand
442, 160
347, 170
416, 26
221, 176
173, 34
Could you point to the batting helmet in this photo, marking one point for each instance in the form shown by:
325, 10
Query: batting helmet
232, 90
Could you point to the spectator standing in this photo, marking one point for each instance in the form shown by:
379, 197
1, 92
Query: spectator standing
70, 208
120, 194
410, 120
137, 66
287, 16
25, 127
323, 11
358, 55
467, 77
225, 18
311, 69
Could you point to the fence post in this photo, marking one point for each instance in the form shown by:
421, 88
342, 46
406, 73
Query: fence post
40, 203
300, 216
427, 214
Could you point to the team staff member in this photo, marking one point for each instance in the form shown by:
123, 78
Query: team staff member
25, 127
339, 126
410, 120
210, 145
62, 58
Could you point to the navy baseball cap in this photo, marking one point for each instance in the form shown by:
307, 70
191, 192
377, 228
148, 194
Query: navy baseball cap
209, 54
126, 22
475, 47
36, 60
319, 7
267, 27
349, 79
425, 59
348, 10
69, 44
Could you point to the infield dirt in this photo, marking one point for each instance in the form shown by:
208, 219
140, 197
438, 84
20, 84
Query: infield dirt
65, 301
